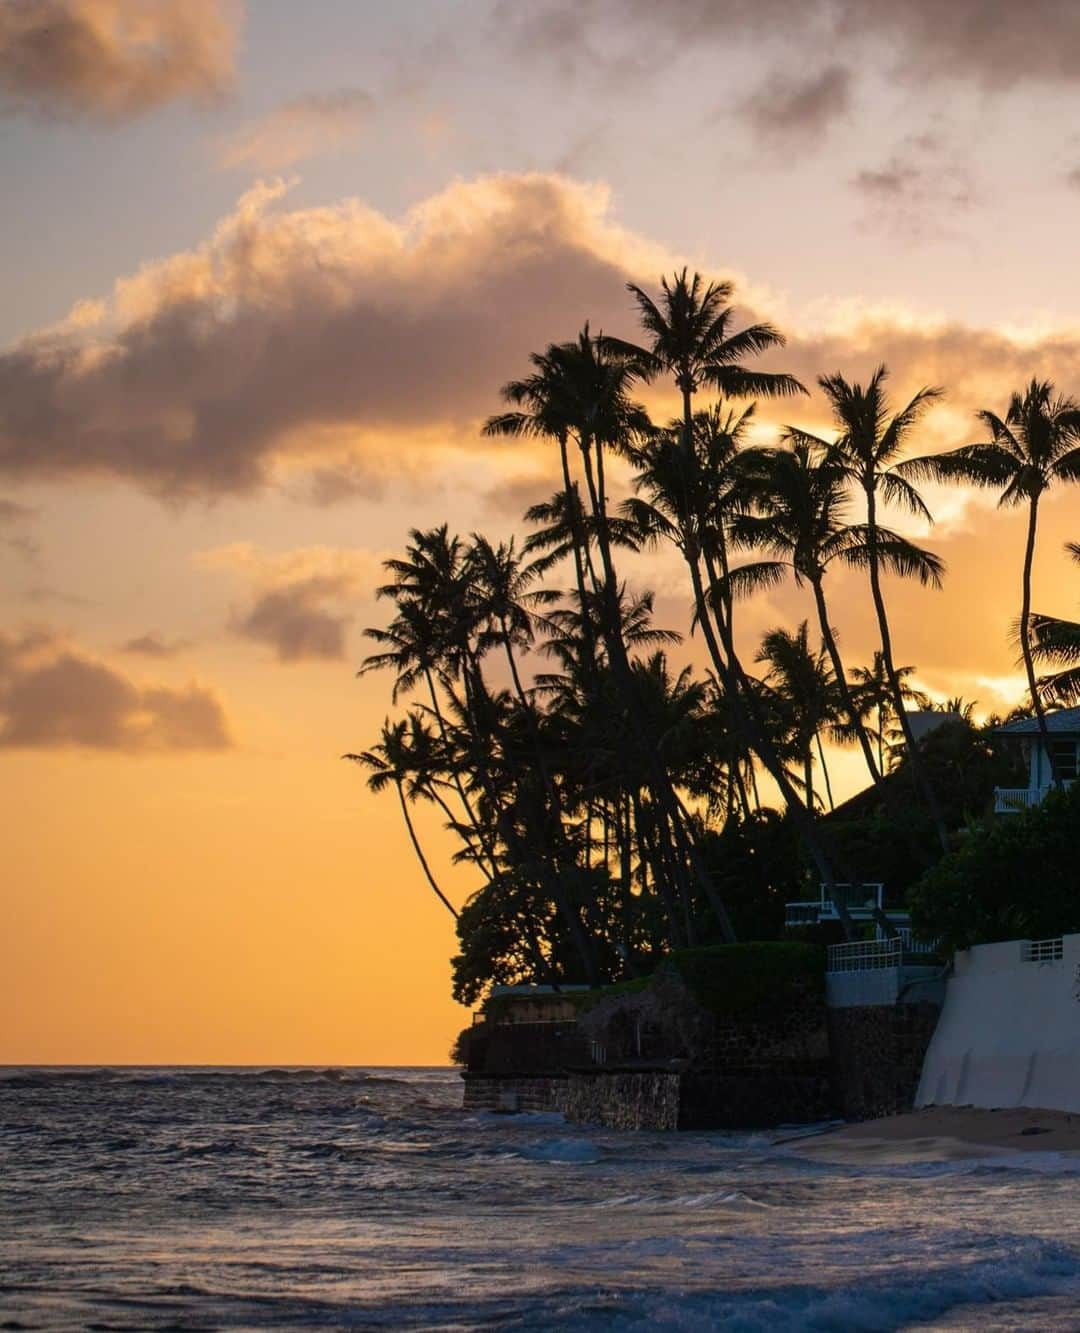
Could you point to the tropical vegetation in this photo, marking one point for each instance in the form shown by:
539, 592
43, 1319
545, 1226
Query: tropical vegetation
611, 807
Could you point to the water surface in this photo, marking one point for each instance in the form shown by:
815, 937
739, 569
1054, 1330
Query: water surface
366, 1198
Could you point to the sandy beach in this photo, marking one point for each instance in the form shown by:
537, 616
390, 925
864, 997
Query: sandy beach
944, 1133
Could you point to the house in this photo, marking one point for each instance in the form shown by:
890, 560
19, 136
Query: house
1048, 765
863, 902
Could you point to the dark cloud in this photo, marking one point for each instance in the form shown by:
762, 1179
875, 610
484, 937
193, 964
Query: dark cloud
288, 327
787, 110
112, 60
1072, 178
53, 695
993, 43
152, 645
294, 621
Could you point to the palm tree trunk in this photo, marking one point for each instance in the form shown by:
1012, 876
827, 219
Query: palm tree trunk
833, 650
1025, 637
918, 770
824, 770
420, 852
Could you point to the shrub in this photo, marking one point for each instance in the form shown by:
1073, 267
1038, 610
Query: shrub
1018, 877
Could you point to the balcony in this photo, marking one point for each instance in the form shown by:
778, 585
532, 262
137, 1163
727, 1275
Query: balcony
1011, 800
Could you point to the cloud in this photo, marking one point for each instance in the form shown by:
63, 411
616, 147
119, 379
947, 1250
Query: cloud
285, 327
14, 515
340, 340
786, 110
296, 598
54, 695
994, 44
295, 623
113, 60
1072, 178
304, 128
917, 187
152, 645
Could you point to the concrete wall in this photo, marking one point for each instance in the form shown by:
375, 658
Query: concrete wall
874, 985
1009, 1034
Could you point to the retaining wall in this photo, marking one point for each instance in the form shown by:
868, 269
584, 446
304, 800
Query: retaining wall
1009, 1033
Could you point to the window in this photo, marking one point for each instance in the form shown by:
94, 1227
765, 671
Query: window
1063, 759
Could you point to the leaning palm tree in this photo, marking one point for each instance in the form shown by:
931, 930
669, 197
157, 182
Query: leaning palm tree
392, 761
867, 449
1034, 446
1057, 642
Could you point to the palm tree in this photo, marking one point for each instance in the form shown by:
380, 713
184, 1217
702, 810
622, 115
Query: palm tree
1036, 445
801, 501
690, 338
804, 688
391, 761
1058, 642
872, 691
867, 449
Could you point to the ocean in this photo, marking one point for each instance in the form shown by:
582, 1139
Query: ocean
367, 1199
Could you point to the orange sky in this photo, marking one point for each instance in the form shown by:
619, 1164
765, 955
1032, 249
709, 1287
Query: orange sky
226, 394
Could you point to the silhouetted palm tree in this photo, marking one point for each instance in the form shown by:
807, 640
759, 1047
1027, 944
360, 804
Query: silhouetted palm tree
867, 448
801, 501
391, 761
1057, 642
804, 687
1035, 445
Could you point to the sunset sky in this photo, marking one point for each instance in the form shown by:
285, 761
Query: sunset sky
264, 269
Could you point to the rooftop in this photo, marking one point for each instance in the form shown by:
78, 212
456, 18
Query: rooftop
1065, 722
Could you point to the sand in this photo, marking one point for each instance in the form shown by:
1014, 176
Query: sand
945, 1133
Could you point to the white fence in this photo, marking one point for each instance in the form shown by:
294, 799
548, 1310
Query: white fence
861, 955
1042, 951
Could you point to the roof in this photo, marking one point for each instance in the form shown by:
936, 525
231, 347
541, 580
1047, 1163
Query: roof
923, 721
1064, 722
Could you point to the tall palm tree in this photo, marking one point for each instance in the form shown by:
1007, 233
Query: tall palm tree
1035, 445
1057, 642
867, 449
678, 506
801, 504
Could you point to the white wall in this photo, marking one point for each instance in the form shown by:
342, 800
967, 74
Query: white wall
1009, 1034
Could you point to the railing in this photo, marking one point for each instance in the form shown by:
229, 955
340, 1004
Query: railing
1042, 951
1008, 800
861, 955
912, 943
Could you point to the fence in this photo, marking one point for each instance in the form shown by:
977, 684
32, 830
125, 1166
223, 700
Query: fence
1042, 951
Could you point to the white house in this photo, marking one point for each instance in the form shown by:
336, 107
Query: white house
1046, 765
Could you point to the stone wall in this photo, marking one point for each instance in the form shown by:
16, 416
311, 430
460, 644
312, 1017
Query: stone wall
877, 1056
630, 1099
512, 1095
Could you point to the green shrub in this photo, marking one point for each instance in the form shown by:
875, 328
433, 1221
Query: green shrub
1017, 878
750, 981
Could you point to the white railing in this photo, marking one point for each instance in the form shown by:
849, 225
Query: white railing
1008, 800
1042, 951
861, 955
912, 943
